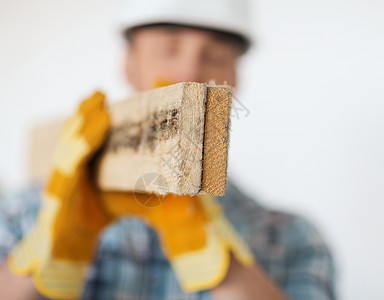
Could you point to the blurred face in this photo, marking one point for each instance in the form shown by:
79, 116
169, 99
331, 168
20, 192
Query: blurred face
176, 54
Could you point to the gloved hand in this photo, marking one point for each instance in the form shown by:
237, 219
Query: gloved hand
194, 233
198, 239
59, 248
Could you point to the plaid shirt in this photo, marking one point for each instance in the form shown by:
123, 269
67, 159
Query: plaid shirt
131, 265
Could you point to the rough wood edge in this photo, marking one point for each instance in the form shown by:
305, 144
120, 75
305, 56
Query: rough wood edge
216, 140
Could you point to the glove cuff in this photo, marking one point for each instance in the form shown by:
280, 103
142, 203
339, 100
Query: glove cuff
61, 279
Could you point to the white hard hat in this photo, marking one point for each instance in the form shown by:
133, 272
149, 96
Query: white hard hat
230, 16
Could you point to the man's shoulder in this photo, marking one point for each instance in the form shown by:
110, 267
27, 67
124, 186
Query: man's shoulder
287, 229
287, 245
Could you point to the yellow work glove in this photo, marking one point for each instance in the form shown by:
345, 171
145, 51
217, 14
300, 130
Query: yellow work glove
195, 235
59, 248
198, 239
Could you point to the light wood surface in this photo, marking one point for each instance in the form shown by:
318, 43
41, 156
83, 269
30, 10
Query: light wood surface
171, 139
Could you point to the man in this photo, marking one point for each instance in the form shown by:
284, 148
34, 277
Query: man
173, 41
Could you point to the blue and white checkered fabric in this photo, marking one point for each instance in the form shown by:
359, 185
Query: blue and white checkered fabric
130, 264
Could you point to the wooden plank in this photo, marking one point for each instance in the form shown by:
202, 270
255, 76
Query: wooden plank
42, 141
158, 131
172, 139
216, 140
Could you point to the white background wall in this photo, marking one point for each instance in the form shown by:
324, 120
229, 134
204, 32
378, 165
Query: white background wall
313, 142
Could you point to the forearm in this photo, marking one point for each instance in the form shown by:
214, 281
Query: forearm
246, 283
14, 287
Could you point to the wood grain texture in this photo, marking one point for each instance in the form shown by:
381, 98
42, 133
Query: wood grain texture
159, 131
216, 140
172, 139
